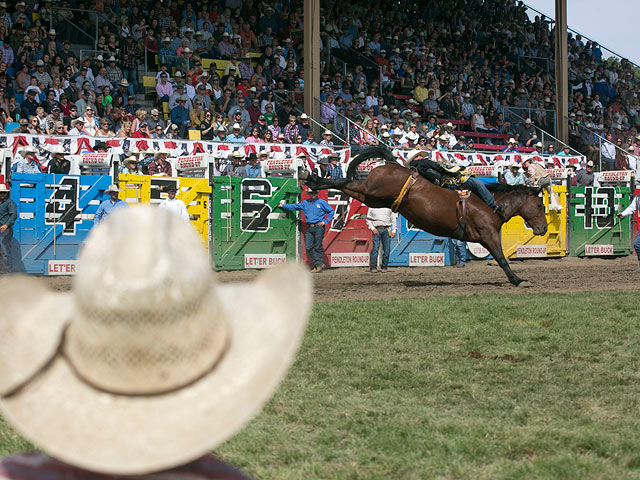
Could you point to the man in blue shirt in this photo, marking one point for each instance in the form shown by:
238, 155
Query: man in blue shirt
254, 169
334, 170
235, 136
180, 116
108, 206
8, 216
317, 214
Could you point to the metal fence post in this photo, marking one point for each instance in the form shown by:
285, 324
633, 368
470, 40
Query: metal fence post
599, 153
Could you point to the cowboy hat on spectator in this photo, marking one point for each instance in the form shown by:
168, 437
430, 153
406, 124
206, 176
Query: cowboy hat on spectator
148, 363
28, 149
58, 150
124, 83
112, 189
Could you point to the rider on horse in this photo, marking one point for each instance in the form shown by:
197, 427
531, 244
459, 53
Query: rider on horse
453, 176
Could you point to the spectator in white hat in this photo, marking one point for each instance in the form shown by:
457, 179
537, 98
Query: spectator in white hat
29, 162
513, 176
236, 136
539, 148
160, 166
326, 139
147, 349
58, 164
512, 146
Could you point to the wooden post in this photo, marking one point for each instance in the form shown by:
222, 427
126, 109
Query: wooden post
562, 86
312, 58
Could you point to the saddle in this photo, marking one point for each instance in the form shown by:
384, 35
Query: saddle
461, 213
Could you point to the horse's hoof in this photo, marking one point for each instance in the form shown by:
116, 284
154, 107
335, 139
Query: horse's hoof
521, 283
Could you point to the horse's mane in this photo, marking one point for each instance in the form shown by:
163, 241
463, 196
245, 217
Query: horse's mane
504, 188
367, 154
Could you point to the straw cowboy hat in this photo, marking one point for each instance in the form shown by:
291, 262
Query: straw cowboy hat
113, 188
58, 150
157, 154
28, 149
416, 153
147, 363
130, 160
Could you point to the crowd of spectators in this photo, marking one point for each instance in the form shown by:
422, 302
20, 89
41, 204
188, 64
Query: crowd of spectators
393, 76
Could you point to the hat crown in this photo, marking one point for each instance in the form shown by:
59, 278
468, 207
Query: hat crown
141, 326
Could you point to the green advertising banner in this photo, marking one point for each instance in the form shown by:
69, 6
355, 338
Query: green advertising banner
595, 229
248, 229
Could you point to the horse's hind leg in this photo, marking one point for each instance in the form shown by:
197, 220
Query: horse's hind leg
494, 245
319, 183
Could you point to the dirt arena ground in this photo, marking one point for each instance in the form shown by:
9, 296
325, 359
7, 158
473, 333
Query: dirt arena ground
552, 275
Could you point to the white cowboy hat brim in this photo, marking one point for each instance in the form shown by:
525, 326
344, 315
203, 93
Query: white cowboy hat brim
414, 153
131, 435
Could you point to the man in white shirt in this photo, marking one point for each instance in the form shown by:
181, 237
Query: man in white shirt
630, 210
173, 204
608, 153
382, 223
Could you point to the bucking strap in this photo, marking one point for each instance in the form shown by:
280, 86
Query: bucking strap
461, 213
403, 193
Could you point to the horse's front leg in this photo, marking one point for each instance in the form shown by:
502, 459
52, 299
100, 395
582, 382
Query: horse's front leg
493, 243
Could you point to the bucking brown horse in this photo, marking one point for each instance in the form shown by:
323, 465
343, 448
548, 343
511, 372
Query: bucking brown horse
436, 210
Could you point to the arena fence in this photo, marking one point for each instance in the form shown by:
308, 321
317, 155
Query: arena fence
595, 230
248, 228
55, 215
238, 217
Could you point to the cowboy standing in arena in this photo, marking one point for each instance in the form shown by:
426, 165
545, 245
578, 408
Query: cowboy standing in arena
317, 213
382, 223
173, 204
8, 216
630, 210
109, 205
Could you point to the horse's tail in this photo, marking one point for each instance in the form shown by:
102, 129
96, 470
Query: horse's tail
367, 154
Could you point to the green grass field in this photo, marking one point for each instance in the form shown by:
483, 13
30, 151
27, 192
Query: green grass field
496, 386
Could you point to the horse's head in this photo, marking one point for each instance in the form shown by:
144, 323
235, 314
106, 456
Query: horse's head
532, 210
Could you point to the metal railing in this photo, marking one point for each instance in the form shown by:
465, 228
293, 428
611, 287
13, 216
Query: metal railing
599, 140
299, 111
540, 62
363, 60
558, 144
61, 20
346, 124
616, 55
516, 114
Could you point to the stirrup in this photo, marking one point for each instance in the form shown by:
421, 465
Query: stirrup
498, 210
